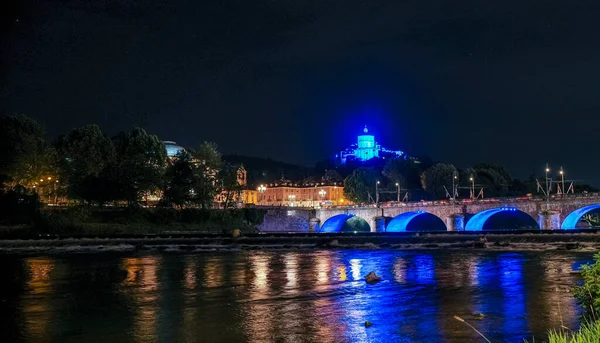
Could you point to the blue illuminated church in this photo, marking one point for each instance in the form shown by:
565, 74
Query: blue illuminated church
366, 148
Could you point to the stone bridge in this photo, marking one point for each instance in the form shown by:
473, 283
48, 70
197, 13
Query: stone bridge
531, 213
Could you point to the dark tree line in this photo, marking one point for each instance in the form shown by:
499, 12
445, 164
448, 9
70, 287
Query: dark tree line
86, 166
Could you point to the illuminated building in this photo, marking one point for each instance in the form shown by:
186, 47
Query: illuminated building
366, 148
172, 148
241, 196
316, 194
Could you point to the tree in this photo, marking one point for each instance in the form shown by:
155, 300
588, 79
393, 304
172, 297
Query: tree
438, 176
139, 169
25, 158
493, 178
359, 187
209, 163
181, 180
230, 185
82, 155
396, 170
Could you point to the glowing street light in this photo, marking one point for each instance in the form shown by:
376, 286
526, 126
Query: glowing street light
377, 194
291, 198
548, 183
454, 179
562, 177
398, 191
261, 189
472, 187
322, 194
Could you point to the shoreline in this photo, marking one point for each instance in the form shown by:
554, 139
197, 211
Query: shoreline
558, 241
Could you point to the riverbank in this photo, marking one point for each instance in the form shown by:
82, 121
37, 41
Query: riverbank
182, 242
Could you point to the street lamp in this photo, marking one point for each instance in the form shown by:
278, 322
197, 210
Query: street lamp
562, 176
398, 192
472, 187
377, 194
454, 178
291, 198
261, 190
547, 188
322, 195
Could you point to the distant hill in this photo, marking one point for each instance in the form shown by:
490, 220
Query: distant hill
265, 170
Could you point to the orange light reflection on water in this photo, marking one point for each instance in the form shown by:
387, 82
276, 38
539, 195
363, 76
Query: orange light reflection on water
143, 286
37, 302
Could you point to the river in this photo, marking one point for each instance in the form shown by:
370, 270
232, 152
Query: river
287, 296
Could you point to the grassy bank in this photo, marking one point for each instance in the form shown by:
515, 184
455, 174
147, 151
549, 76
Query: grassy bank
87, 220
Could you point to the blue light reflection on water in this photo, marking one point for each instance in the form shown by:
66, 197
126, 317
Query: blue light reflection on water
513, 304
300, 296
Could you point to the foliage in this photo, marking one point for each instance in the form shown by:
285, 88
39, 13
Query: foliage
140, 164
396, 170
588, 294
19, 206
438, 176
359, 187
208, 164
181, 180
82, 155
493, 178
230, 186
25, 157
588, 333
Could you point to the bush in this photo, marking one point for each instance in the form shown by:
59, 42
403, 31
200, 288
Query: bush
19, 207
54, 222
588, 294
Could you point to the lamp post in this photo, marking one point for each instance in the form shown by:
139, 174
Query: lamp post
377, 194
547, 188
261, 190
291, 198
454, 178
472, 188
562, 177
335, 196
322, 195
397, 192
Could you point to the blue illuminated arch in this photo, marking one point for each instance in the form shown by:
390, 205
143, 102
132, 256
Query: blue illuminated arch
401, 222
575, 216
343, 222
477, 222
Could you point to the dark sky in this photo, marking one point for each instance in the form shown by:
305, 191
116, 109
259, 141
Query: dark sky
512, 82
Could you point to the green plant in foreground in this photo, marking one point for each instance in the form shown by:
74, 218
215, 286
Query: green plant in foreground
588, 333
588, 294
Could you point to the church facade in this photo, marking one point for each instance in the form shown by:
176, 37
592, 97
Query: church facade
364, 149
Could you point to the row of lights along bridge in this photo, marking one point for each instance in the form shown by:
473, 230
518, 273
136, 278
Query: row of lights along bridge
545, 190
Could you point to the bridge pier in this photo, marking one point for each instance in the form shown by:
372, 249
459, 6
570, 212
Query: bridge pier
313, 224
379, 224
549, 220
455, 222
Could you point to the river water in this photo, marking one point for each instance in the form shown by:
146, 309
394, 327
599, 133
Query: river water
286, 296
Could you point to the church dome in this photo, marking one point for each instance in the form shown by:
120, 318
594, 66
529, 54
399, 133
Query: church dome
172, 148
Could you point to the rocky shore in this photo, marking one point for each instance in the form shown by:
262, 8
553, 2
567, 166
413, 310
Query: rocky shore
577, 241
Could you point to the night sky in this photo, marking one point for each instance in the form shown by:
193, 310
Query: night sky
512, 82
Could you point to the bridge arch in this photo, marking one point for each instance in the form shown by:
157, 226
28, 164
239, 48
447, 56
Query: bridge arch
345, 223
416, 221
509, 218
574, 217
